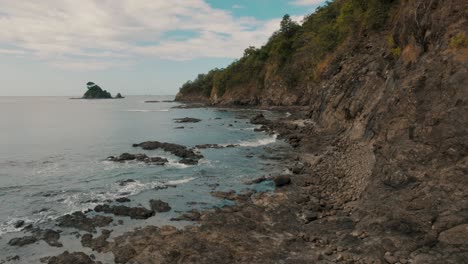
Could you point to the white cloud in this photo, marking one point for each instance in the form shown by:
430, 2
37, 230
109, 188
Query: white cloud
94, 34
307, 2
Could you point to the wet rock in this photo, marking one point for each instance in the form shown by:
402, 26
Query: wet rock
51, 237
282, 180
22, 241
187, 120
159, 206
138, 157
19, 224
80, 221
192, 215
122, 200
188, 161
205, 146
257, 180
69, 258
125, 182
177, 150
259, 119
97, 244
121, 210
181, 127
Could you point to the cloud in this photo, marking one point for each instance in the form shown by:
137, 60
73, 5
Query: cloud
307, 2
90, 34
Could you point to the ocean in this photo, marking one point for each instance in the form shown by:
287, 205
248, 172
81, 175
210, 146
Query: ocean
53, 161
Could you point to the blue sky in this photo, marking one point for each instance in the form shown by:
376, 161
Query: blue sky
53, 47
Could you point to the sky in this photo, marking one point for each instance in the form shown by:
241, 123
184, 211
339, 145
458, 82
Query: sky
135, 47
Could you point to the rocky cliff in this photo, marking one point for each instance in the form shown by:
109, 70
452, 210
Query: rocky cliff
385, 133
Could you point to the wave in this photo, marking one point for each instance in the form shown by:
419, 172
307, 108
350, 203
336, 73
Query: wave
182, 181
259, 142
147, 110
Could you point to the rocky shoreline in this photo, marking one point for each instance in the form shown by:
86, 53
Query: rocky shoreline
322, 212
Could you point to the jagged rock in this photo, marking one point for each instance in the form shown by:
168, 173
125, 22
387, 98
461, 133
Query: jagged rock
188, 155
121, 210
159, 206
80, 221
259, 119
22, 241
122, 200
96, 92
139, 157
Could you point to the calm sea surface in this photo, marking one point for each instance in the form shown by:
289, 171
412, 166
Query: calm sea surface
53, 160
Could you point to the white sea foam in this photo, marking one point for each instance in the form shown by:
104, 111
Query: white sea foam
175, 164
259, 142
182, 181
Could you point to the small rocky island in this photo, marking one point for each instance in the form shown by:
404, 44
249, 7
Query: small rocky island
96, 92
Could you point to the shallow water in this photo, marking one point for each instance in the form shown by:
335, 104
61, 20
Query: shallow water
53, 160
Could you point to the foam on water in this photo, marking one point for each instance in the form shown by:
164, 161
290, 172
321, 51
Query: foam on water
177, 182
259, 142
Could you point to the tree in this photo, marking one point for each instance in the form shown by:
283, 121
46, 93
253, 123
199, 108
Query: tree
288, 27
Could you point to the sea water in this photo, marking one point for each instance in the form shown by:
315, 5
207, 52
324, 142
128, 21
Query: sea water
53, 154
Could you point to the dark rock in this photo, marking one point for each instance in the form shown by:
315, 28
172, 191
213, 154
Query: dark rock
125, 182
19, 224
181, 127
22, 241
187, 120
96, 92
119, 96
121, 210
69, 258
122, 200
259, 119
257, 180
159, 206
188, 161
282, 180
51, 237
97, 244
139, 157
205, 146
153, 101
177, 150
80, 221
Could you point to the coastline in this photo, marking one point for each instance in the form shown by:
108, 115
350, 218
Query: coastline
332, 211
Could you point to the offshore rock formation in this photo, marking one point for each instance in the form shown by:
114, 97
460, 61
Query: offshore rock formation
96, 92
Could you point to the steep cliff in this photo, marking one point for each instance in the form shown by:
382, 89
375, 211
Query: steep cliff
386, 129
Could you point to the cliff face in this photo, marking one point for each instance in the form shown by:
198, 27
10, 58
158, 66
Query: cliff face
386, 130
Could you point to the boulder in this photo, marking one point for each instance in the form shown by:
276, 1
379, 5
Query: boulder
282, 180
187, 120
159, 206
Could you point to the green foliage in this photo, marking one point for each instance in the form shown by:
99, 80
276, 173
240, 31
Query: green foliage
459, 41
294, 51
95, 92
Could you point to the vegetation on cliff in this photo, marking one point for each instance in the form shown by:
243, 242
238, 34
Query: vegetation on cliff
96, 92
295, 53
